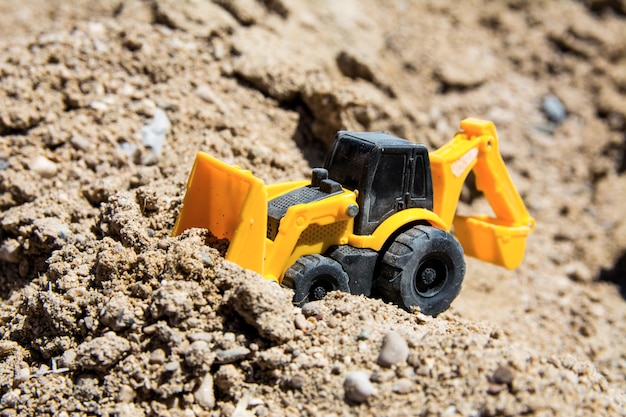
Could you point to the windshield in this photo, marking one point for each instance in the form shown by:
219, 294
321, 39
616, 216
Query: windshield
347, 162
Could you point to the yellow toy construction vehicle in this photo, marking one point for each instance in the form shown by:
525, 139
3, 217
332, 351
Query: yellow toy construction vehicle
376, 219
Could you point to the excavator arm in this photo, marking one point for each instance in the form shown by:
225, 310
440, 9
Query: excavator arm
501, 239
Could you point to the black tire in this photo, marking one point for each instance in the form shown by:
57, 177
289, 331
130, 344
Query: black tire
424, 267
313, 276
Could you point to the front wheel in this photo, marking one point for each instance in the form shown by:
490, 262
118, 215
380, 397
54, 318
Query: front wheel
423, 267
313, 276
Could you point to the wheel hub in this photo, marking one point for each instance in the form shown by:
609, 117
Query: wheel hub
429, 275
318, 292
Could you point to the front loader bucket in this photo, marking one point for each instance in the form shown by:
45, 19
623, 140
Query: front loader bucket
232, 204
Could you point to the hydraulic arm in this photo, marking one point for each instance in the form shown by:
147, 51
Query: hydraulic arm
501, 239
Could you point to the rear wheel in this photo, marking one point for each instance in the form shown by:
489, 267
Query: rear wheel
423, 267
314, 276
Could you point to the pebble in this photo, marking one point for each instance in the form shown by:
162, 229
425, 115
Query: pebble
358, 387
10, 251
126, 394
403, 386
81, 143
296, 382
204, 336
21, 375
503, 375
394, 350
171, 366
465, 76
153, 133
231, 355
157, 356
44, 167
204, 395
364, 334
313, 309
68, 359
99, 105
553, 108
301, 322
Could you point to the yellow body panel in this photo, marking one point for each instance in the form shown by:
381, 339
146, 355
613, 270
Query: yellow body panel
308, 229
394, 223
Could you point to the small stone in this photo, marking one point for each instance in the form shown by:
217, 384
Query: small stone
313, 309
403, 386
455, 75
301, 322
503, 375
150, 329
553, 108
99, 105
22, 375
44, 167
8, 412
296, 382
153, 134
171, 366
395, 350
364, 334
332, 322
81, 143
68, 359
495, 389
10, 251
204, 395
157, 356
126, 394
231, 355
358, 387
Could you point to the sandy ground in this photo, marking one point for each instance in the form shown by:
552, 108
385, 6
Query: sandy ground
103, 313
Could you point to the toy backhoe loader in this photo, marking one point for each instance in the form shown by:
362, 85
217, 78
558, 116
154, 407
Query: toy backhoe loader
377, 218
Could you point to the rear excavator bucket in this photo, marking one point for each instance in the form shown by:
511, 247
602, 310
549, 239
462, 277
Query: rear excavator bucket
500, 240
232, 204
492, 240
